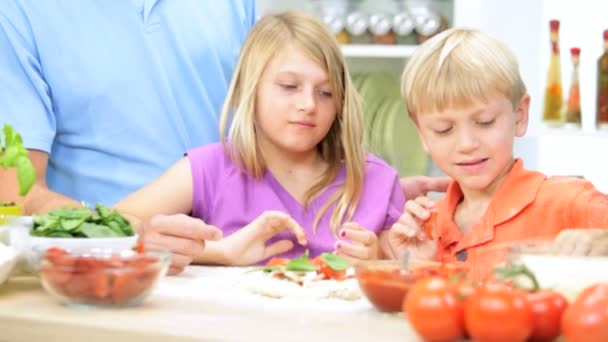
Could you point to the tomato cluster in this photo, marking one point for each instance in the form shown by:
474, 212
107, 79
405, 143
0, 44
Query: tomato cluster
99, 281
443, 310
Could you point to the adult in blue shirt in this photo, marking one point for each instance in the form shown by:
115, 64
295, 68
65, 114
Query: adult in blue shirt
115, 91
108, 94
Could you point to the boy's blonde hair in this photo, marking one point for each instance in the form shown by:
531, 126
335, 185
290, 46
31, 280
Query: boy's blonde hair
270, 37
457, 67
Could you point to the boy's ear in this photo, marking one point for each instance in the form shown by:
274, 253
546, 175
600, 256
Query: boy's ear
521, 116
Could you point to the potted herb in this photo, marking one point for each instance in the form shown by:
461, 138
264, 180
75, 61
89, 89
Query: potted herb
14, 155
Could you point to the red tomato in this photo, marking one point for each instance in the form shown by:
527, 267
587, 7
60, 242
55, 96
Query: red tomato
433, 308
547, 308
586, 319
496, 313
277, 262
326, 271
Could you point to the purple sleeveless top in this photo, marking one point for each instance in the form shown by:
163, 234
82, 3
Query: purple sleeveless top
229, 198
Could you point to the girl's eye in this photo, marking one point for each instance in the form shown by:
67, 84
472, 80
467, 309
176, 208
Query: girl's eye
325, 93
288, 86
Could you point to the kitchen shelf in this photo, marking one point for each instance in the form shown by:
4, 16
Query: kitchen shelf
378, 50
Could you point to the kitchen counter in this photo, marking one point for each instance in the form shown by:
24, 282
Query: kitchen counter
203, 303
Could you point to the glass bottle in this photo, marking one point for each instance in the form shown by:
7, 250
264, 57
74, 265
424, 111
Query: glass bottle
602, 87
573, 109
403, 25
336, 25
357, 24
380, 26
552, 111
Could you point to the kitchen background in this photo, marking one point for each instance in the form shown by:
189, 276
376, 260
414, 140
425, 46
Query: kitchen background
522, 24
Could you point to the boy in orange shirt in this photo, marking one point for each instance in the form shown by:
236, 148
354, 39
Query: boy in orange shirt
468, 101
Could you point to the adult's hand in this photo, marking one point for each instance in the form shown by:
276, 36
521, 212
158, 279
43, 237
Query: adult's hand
417, 186
183, 235
581, 242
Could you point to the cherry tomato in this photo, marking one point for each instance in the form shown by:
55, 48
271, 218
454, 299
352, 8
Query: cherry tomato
327, 272
435, 311
586, 319
496, 312
547, 308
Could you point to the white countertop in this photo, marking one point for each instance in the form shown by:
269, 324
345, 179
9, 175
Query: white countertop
203, 303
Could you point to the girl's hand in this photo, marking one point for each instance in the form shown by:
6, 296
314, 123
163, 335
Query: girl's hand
581, 242
247, 246
356, 243
408, 233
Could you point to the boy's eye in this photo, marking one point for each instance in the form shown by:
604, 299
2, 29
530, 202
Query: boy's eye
486, 122
442, 131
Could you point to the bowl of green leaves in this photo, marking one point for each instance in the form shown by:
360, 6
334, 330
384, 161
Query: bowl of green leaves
82, 228
78, 229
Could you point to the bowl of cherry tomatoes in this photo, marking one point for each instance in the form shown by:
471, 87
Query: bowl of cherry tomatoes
102, 277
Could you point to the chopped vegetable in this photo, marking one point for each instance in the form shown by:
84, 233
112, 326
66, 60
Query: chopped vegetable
327, 265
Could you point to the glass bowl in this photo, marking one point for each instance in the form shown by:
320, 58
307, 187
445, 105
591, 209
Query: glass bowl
386, 285
569, 274
102, 277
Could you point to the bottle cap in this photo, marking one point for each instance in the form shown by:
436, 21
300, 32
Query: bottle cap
554, 25
606, 35
575, 51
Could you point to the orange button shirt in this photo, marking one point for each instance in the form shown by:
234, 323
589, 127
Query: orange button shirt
527, 206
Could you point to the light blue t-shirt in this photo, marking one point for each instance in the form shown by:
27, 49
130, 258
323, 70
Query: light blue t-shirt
116, 90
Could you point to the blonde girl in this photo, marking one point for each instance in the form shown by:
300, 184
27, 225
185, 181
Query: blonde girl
291, 172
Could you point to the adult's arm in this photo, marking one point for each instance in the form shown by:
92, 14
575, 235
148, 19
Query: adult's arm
40, 199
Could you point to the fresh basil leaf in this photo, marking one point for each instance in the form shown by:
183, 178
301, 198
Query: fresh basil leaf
59, 234
335, 262
93, 230
301, 264
71, 224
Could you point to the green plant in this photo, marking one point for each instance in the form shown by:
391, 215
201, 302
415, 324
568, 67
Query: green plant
14, 155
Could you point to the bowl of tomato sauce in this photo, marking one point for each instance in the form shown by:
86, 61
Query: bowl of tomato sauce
102, 277
386, 284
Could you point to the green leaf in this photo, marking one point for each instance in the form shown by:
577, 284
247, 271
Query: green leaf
14, 155
301, 264
59, 234
335, 262
26, 174
93, 230
71, 224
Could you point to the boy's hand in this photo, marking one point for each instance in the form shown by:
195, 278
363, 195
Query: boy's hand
581, 242
356, 243
247, 245
409, 232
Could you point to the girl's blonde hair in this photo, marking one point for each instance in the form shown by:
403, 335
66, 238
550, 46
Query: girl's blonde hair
343, 144
457, 67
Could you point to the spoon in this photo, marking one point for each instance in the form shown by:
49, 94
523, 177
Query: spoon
405, 259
